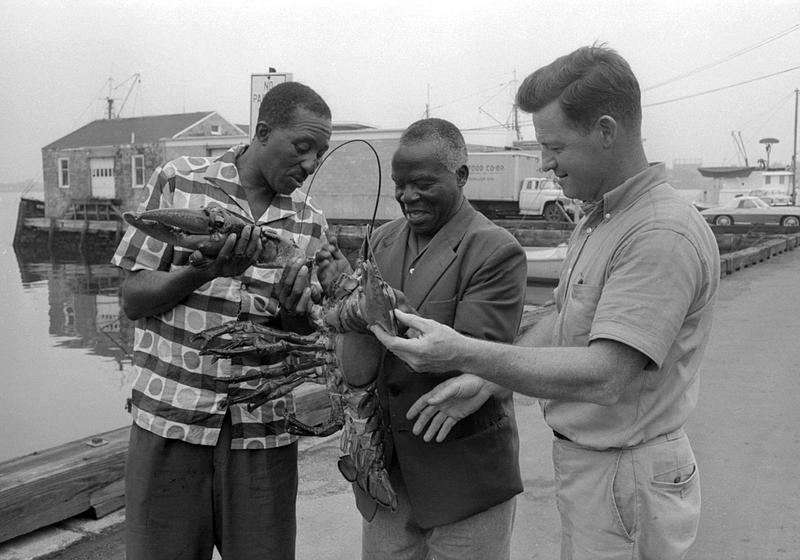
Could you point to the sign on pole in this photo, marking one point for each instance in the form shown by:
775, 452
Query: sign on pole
260, 84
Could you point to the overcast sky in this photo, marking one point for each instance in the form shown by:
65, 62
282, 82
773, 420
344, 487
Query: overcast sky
381, 62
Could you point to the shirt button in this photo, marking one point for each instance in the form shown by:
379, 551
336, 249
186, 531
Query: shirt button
608, 216
588, 230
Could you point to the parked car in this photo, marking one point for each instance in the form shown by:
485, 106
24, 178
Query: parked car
752, 210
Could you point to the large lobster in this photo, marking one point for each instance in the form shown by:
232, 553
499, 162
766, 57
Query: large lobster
341, 353
205, 230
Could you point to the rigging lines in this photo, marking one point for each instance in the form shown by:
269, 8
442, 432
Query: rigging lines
721, 88
746, 50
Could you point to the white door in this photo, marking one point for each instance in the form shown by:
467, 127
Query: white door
102, 171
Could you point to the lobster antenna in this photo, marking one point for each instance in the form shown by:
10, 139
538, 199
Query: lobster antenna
371, 226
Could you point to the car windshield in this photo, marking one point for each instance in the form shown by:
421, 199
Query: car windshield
748, 202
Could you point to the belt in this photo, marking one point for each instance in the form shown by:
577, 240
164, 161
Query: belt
664, 437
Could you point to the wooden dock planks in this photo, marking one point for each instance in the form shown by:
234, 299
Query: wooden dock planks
43, 488
82, 476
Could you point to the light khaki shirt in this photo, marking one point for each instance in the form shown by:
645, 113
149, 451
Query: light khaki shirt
642, 268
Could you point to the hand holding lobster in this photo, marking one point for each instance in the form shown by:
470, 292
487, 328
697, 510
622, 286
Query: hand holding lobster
238, 253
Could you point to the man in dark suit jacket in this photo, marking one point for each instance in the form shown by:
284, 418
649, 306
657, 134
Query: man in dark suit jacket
456, 497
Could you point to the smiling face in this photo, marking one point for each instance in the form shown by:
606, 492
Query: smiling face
428, 193
575, 156
292, 152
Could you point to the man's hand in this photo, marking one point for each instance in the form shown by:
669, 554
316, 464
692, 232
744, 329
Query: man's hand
331, 263
237, 254
436, 348
294, 289
442, 407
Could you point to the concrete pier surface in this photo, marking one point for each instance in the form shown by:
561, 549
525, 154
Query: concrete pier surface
745, 432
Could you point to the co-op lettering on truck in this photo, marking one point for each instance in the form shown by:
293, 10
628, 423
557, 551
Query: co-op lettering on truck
510, 184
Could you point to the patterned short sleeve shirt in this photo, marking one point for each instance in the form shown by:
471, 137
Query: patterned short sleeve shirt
178, 393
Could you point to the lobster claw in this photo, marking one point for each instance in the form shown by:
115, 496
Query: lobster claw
206, 229
185, 227
378, 299
374, 482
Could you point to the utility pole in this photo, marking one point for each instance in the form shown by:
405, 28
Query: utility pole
794, 152
516, 109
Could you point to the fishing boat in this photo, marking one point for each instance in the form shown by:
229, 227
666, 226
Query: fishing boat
544, 263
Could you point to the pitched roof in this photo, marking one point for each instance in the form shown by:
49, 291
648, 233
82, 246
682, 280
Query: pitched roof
145, 130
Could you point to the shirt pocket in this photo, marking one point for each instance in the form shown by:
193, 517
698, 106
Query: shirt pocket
578, 314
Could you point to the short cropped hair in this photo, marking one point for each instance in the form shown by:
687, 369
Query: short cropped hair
280, 103
452, 151
588, 83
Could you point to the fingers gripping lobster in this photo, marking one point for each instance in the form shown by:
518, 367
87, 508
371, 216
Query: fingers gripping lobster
341, 353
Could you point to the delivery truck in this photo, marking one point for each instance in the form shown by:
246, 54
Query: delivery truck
511, 184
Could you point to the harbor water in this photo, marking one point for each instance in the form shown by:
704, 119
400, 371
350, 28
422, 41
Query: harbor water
65, 368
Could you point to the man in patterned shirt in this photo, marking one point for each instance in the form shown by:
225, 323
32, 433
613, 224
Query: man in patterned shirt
201, 473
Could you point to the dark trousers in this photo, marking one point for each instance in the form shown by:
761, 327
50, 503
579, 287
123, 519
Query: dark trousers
183, 499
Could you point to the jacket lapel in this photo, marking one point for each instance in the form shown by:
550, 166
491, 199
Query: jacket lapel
436, 258
389, 253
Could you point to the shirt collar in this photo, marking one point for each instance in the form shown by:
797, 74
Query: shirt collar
223, 174
632, 188
222, 171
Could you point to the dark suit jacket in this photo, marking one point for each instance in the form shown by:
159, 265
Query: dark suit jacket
472, 276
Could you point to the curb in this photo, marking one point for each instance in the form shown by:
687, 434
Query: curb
49, 540
744, 258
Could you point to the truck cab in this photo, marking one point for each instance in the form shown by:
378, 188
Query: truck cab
541, 196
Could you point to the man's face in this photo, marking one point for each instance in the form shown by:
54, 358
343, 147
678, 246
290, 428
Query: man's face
428, 193
292, 153
576, 157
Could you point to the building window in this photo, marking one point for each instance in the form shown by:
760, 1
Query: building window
215, 130
767, 179
781, 179
137, 171
63, 172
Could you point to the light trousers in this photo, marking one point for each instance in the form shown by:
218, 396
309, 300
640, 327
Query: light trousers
636, 503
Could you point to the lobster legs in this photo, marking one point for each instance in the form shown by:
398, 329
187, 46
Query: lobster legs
342, 354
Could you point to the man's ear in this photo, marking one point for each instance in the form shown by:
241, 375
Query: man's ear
262, 131
462, 174
608, 128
